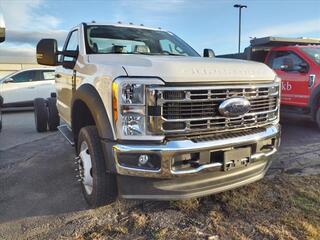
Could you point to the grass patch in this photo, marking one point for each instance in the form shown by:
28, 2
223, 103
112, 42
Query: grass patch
284, 207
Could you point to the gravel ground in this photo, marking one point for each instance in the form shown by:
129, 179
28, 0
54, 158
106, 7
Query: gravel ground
39, 189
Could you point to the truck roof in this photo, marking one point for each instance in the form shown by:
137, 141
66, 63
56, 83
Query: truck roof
119, 24
282, 41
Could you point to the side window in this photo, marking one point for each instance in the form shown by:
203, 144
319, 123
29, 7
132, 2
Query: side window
73, 44
285, 59
25, 76
47, 75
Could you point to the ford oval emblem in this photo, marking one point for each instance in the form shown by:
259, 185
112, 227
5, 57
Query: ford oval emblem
234, 107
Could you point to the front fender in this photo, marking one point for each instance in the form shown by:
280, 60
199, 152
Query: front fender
313, 100
90, 96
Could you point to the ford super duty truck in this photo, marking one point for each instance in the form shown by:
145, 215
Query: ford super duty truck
152, 119
297, 62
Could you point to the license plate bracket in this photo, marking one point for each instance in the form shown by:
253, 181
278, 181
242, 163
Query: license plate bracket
236, 158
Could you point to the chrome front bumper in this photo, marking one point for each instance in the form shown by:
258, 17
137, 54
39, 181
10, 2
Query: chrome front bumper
169, 150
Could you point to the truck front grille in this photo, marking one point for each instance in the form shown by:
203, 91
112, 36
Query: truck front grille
186, 110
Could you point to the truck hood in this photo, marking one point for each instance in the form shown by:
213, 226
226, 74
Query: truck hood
187, 69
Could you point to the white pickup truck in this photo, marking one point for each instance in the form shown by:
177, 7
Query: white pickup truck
152, 119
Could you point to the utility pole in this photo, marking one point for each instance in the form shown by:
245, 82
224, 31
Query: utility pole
240, 7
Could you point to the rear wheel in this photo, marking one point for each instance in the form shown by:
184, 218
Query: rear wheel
53, 115
40, 114
98, 186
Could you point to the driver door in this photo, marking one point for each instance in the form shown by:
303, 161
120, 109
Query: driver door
294, 86
64, 78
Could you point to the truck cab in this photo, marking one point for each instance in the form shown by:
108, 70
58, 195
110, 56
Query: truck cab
152, 119
297, 62
298, 67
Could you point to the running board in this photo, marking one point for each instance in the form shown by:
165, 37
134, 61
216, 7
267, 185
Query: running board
67, 133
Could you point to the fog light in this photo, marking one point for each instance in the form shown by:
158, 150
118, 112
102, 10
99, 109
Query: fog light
140, 161
143, 159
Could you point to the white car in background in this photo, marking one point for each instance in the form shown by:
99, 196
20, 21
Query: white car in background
19, 89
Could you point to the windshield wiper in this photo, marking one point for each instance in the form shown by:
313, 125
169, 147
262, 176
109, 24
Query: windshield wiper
172, 54
131, 53
144, 53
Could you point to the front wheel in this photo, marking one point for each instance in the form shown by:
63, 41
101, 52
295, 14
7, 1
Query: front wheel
98, 186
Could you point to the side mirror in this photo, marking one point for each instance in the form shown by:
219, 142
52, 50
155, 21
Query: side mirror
284, 68
2, 29
8, 80
207, 52
47, 52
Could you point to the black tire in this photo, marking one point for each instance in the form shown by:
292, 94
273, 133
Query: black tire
40, 114
53, 115
318, 117
104, 190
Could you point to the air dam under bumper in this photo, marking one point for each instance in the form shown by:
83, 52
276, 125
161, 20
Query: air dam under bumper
169, 182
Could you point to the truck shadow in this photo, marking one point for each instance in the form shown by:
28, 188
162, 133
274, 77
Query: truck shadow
298, 129
38, 178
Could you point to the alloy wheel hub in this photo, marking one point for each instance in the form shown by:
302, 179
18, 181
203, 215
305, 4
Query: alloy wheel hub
85, 168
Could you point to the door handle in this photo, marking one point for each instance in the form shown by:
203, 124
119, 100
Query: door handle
312, 78
30, 87
58, 75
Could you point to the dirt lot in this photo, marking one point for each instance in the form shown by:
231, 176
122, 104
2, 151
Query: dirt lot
40, 198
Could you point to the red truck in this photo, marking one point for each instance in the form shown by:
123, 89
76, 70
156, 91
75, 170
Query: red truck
297, 62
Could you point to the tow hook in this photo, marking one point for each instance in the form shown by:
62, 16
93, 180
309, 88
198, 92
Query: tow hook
267, 147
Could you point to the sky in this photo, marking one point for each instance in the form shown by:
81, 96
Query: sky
201, 23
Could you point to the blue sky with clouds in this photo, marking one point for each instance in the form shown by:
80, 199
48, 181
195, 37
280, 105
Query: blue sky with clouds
201, 23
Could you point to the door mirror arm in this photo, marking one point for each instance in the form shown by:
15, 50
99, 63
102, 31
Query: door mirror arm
284, 68
303, 68
8, 80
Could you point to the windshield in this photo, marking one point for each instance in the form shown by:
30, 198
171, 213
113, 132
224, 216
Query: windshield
126, 40
2, 78
313, 53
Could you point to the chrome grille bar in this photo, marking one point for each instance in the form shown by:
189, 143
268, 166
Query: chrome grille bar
184, 110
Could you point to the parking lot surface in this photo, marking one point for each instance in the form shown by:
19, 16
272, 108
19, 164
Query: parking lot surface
37, 175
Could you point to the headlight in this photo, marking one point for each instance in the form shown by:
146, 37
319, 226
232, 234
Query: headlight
129, 108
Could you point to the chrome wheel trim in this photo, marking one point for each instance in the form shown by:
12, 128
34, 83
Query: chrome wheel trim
85, 168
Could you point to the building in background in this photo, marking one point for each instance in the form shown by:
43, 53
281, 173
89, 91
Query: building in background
10, 64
